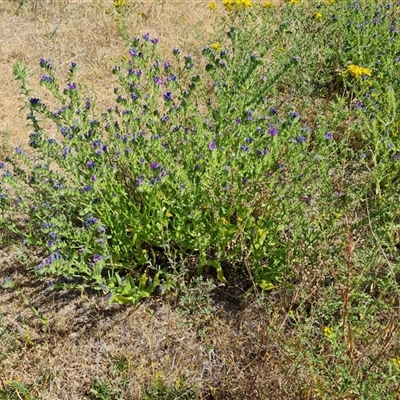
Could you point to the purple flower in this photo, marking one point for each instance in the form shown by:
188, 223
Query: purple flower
301, 139
171, 78
45, 64
87, 103
244, 148
238, 120
93, 178
154, 41
97, 258
165, 118
146, 37
72, 86
96, 144
329, 136
34, 101
53, 235
168, 96
212, 146
273, 131
90, 164
46, 78
155, 165
89, 221
273, 110
175, 51
294, 114
166, 65
139, 181
262, 152
87, 188
133, 52
359, 104
158, 80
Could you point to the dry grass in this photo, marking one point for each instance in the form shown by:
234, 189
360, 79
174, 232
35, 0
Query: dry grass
224, 346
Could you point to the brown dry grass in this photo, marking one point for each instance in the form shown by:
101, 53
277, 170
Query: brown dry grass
224, 347
226, 354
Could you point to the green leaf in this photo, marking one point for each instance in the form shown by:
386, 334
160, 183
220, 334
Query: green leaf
266, 285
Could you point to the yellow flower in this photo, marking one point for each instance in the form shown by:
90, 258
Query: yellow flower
330, 1
216, 46
212, 6
230, 4
268, 4
293, 1
396, 362
356, 71
318, 15
328, 332
224, 221
119, 3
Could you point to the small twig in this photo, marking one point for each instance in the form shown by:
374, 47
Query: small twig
3, 384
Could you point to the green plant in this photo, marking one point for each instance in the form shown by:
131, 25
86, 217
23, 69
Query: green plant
159, 391
110, 198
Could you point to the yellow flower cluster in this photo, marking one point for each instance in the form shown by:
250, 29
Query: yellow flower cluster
119, 3
356, 71
328, 332
268, 4
212, 6
318, 15
231, 4
216, 46
396, 362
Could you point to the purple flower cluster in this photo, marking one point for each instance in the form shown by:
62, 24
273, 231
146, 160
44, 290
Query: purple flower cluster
56, 256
